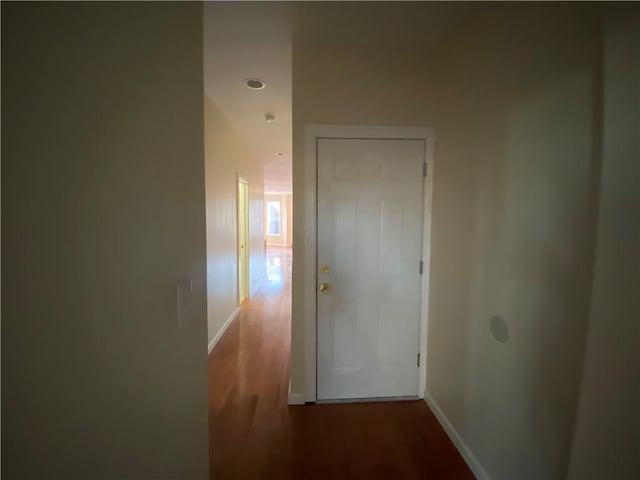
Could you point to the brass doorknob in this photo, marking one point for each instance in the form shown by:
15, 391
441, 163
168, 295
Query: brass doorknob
324, 287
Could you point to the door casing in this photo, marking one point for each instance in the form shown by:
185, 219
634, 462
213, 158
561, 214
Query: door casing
312, 134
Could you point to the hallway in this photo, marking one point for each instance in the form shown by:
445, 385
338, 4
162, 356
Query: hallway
253, 433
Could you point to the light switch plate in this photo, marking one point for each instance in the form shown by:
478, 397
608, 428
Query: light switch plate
183, 293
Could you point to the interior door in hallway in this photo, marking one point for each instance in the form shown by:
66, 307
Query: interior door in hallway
243, 240
370, 197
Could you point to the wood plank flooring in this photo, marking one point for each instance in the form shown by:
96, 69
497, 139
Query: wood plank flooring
253, 434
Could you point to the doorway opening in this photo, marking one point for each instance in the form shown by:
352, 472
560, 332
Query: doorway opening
278, 237
248, 145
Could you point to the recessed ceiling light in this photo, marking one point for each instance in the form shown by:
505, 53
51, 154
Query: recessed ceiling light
280, 154
255, 83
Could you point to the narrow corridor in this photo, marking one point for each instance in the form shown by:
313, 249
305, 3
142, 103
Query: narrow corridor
254, 434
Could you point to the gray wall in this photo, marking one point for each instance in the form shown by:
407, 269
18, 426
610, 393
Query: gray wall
515, 195
103, 214
607, 437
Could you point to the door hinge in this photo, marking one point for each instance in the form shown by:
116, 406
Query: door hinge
424, 170
421, 266
418, 360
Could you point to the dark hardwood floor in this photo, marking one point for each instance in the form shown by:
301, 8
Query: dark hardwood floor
254, 434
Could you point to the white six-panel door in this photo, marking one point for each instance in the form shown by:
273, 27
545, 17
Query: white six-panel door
369, 235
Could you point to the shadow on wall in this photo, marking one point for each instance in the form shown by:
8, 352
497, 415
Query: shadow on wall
499, 329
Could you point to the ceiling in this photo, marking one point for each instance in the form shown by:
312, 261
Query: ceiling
254, 40
373, 24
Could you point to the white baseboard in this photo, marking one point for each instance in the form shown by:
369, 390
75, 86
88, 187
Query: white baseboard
465, 451
214, 341
295, 398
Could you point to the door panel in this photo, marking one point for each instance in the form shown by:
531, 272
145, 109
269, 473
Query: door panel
369, 236
345, 215
390, 238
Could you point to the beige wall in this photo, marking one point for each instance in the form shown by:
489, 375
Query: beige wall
607, 436
286, 221
226, 158
513, 94
103, 214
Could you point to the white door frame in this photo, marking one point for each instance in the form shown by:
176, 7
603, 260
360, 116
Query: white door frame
311, 135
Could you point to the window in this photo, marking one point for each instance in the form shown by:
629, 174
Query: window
273, 218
